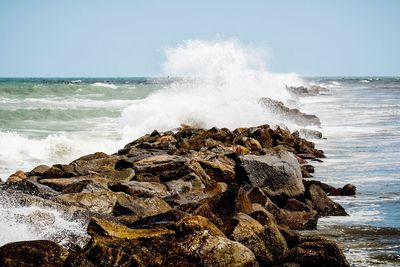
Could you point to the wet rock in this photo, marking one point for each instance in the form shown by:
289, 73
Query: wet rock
98, 202
38, 170
347, 190
95, 163
192, 224
84, 186
32, 253
32, 187
323, 204
277, 174
310, 134
193, 245
18, 176
105, 228
304, 91
215, 189
294, 115
166, 220
218, 168
251, 233
141, 189
317, 252
179, 186
139, 207
62, 183
163, 167
60, 171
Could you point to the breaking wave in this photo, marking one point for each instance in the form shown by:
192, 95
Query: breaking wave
220, 85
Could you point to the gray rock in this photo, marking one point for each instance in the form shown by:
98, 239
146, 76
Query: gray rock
277, 174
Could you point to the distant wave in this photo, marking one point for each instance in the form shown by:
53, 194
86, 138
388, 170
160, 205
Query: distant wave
364, 81
107, 85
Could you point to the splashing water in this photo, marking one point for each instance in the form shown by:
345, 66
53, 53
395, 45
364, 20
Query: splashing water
221, 86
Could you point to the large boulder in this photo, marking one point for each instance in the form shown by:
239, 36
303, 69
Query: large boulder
277, 174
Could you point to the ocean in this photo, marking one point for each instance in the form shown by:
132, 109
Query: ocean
47, 121
56, 120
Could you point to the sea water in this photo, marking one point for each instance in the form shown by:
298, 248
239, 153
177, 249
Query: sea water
47, 121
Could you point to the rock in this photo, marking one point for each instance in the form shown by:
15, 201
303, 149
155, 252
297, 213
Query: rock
32, 187
162, 167
304, 91
347, 190
317, 252
141, 189
98, 202
127, 205
61, 184
277, 174
215, 189
218, 168
251, 233
38, 170
18, 176
95, 163
104, 228
32, 253
116, 245
322, 204
60, 171
294, 115
84, 186
179, 186
162, 220
295, 220
274, 239
191, 224
310, 134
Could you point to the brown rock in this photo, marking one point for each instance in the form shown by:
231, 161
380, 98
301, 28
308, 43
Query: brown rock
18, 176
323, 204
99, 202
32, 253
141, 189
251, 233
318, 252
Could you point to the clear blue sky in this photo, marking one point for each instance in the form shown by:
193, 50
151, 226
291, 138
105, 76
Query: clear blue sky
75, 38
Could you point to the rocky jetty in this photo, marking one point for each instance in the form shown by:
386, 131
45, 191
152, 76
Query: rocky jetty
189, 197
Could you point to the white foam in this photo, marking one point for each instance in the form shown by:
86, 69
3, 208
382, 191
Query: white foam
20, 152
223, 82
36, 223
107, 85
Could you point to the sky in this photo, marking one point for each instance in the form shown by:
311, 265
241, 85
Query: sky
104, 38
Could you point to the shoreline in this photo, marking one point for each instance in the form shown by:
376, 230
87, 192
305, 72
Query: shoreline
243, 188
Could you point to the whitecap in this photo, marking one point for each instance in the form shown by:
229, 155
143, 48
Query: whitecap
106, 85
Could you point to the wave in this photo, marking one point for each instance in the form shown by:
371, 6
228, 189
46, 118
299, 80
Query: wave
20, 152
221, 85
45, 114
107, 85
36, 223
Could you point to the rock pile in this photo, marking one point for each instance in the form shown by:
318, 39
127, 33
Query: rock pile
189, 197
